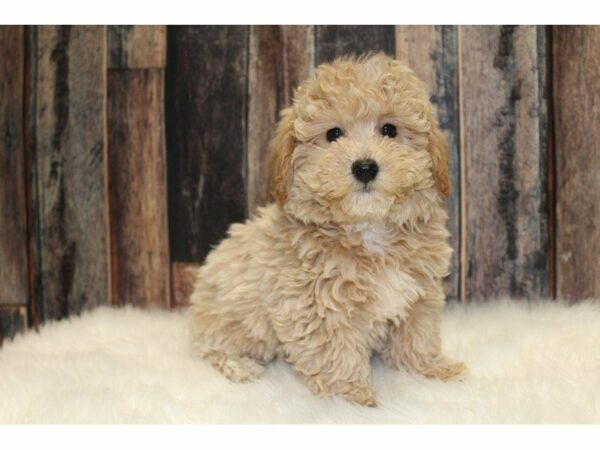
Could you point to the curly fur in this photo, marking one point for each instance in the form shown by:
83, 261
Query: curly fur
335, 270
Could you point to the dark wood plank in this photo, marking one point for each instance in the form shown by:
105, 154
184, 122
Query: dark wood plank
206, 135
182, 283
67, 128
138, 188
432, 52
137, 47
340, 40
13, 320
576, 56
281, 57
504, 118
13, 203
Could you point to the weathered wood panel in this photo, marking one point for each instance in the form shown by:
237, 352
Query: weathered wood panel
206, 135
13, 320
137, 47
432, 52
576, 55
504, 118
280, 58
340, 40
182, 282
67, 127
13, 216
138, 187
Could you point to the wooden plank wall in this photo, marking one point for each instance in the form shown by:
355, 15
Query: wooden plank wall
280, 58
126, 152
14, 280
490, 86
137, 169
67, 132
433, 53
576, 75
504, 112
206, 135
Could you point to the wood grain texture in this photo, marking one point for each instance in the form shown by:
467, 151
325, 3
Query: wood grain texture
138, 188
182, 283
137, 47
13, 217
206, 135
280, 58
503, 88
13, 320
576, 55
340, 40
67, 127
432, 52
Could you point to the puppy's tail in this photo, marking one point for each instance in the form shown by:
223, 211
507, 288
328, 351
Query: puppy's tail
236, 368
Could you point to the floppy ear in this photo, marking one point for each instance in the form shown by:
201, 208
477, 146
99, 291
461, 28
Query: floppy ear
438, 149
281, 149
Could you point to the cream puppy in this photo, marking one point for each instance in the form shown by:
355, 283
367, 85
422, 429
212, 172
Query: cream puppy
350, 257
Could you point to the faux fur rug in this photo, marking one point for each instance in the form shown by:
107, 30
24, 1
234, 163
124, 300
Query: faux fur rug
528, 362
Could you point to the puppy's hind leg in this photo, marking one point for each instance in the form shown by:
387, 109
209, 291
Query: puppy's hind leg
229, 347
237, 342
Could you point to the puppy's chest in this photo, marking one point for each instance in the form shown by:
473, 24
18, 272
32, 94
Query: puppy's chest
394, 291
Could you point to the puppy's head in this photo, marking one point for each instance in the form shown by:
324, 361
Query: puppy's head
359, 141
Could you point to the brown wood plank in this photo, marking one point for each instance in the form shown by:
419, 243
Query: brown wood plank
182, 279
13, 203
138, 188
67, 128
432, 52
504, 119
137, 47
340, 40
206, 135
13, 320
576, 74
281, 57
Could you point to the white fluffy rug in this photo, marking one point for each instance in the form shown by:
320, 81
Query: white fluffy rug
529, 363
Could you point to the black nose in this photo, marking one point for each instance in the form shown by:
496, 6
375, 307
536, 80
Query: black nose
365, 170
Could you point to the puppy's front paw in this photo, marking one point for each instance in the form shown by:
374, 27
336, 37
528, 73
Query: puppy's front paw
364, 396
237, 368
445, 369
361, 393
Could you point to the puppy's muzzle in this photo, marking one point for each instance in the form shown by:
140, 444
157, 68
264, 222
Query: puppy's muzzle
365, 170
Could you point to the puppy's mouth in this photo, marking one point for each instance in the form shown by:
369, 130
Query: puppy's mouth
366, 203
367, 187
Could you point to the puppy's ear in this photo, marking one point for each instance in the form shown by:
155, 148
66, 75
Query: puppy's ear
281, 149
438, 149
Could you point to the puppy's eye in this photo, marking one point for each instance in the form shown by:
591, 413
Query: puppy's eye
334, 134
388, 130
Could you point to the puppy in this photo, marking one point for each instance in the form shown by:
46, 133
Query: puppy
350, 257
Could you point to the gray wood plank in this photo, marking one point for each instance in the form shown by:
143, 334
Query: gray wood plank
280, 58
432, 52
341, 40
67, 133
504, 118
576, 56
206, 135
14, 283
